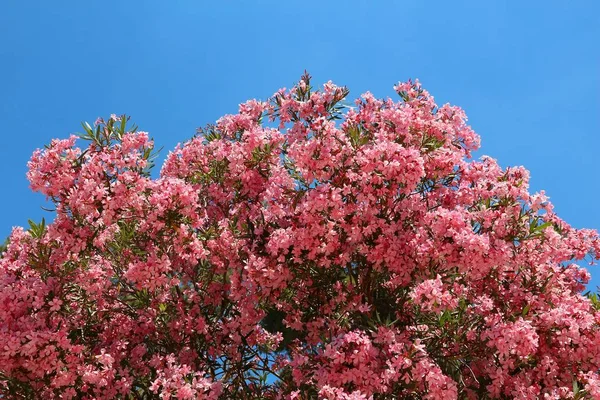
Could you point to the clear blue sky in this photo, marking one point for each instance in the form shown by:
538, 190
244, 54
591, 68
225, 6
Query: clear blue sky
526, 72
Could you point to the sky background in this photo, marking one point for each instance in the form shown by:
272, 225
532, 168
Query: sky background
526, 73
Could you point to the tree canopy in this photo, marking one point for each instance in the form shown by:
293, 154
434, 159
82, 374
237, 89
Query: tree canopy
302, 248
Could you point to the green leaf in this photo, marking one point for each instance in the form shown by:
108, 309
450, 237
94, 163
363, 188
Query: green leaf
89, 133
123, 128
541, 227
4, 246
37, 230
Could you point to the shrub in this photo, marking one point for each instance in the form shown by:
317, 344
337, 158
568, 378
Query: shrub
299, 249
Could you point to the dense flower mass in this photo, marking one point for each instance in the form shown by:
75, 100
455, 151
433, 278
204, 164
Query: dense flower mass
300, 249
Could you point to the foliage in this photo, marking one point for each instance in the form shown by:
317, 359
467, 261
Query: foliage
299, 249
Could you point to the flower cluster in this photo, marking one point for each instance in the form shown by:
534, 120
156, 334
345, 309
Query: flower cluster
298, 249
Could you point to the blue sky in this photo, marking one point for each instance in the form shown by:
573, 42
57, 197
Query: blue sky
527, 74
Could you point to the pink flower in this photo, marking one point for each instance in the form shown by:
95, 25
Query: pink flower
55, 304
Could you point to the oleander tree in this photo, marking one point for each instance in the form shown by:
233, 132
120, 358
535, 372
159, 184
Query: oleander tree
300, 249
